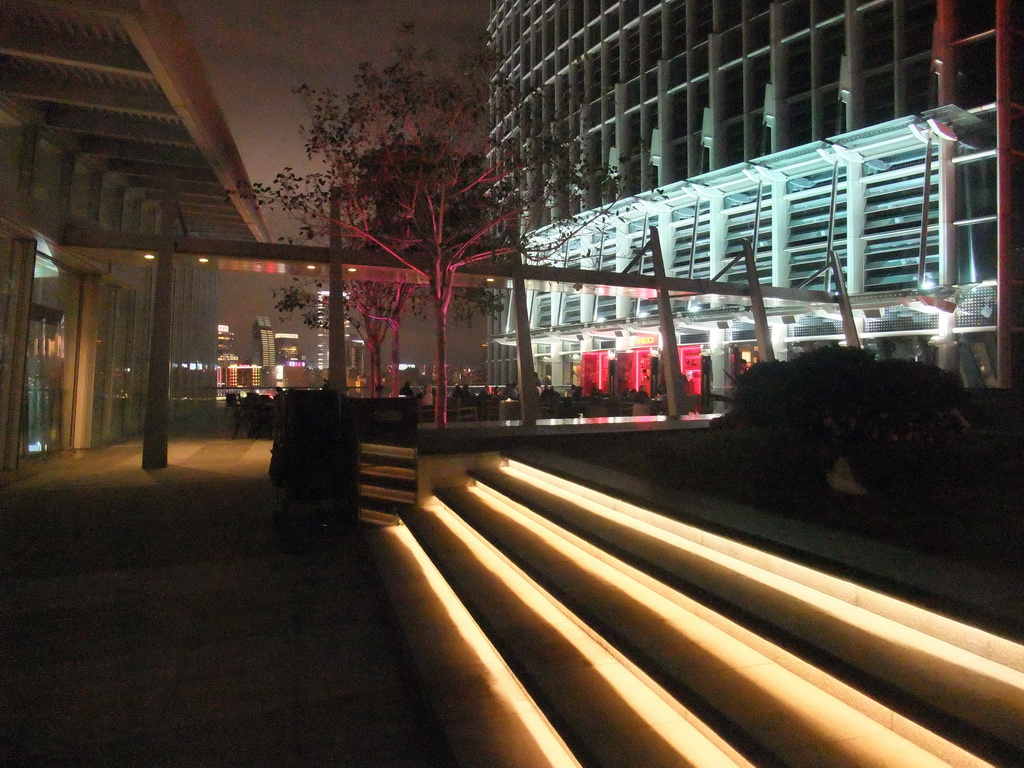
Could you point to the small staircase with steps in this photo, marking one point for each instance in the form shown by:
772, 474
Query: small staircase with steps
387, 480
555, 625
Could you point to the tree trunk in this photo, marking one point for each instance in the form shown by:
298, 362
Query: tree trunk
374, 350
395, 386
441, 363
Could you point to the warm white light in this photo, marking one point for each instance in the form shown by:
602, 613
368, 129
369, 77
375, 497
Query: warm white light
203, 260
149, 256
311, 266
899, 624
501, 681
678, 727
351, 269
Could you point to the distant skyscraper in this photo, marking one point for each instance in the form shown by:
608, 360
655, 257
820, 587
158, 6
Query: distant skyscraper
226, 345
321, 349
287, 348
263, 348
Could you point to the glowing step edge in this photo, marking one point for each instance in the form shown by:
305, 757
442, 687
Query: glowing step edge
863, 730
502, 680
697, 745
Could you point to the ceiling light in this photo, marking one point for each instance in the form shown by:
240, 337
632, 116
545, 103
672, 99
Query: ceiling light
149, 256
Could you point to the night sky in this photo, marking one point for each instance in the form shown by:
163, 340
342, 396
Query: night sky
256, 52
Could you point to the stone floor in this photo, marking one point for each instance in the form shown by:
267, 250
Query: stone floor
164, 618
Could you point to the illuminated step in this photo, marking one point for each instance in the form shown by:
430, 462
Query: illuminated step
779, 709
488, 717
966, 683
607, 711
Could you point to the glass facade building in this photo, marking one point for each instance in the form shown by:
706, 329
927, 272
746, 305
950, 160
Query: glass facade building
110, 148
889, 132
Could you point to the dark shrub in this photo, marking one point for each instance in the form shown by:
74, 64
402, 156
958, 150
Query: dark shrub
843, 395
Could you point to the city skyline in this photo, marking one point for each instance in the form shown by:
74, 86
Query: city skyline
288, 44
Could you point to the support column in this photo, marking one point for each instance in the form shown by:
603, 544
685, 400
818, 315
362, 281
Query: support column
337, 378
947, 357
529, 401
674, 386
855, 221
780, 235
18, 274
155, 421
85, 363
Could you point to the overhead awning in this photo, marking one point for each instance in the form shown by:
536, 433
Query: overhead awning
118, 84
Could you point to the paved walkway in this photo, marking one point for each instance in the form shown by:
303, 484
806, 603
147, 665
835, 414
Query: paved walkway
162, 619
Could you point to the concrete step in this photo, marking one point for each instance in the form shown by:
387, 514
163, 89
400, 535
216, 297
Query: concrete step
768, 704
604, 709
961, 682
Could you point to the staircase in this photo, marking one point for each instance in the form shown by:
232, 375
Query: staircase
557, 626
387, 480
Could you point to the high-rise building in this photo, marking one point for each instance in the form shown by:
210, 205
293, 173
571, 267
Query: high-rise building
225, 344
287, 348
887, 132
322, 356
264, 351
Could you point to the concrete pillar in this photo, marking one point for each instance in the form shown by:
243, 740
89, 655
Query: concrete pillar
947, 357
18, 275
780, 234
529, 401
156, 418
85, 362
855, 220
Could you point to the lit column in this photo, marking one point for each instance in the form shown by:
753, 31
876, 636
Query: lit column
780, 232
85, 363
855, 219
947, 358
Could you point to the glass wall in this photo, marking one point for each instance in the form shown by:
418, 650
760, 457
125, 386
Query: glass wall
52, 321
116, 400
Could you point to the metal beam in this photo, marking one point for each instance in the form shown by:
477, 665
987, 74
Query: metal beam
80, 120
144, 169
40, 88
96, 54
187, 157
374, 265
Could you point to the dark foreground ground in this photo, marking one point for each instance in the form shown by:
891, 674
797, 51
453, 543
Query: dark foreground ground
962, 499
